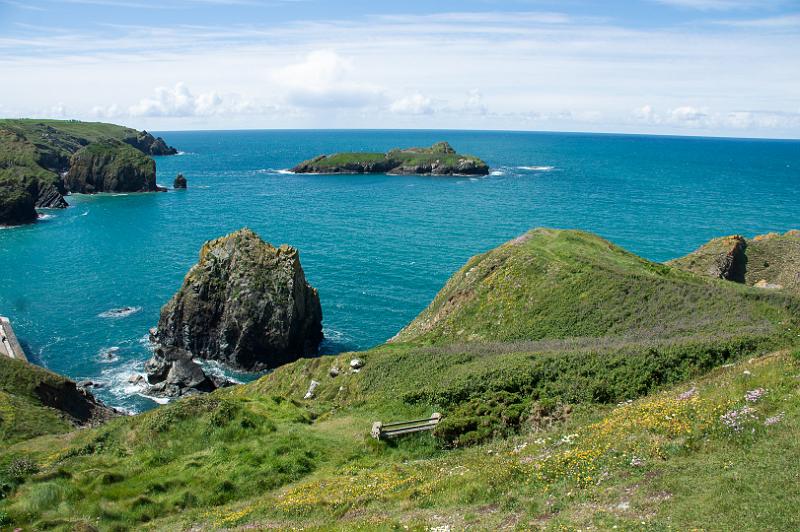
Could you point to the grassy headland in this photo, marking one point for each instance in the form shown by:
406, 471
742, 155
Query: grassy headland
578, 387
36, 156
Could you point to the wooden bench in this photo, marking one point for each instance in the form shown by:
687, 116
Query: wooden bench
400, 428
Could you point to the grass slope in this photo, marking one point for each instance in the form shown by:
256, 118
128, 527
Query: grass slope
565, 284
27, 402
533, 435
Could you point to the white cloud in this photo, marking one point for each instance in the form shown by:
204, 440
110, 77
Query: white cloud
646, 114
474, 103
688, 115
324, 79
533, 72
177, 101
415, 104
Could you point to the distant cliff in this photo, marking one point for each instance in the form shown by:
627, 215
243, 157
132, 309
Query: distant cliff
439, 159
41, 160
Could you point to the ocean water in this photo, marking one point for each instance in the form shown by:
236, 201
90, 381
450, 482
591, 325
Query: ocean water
377, 247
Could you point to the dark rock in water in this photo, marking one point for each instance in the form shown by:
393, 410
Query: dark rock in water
110, 166
245, 303
171, 372
50, 197
180, 182
89, 384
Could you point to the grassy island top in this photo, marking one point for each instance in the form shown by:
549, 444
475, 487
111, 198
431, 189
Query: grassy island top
438, 159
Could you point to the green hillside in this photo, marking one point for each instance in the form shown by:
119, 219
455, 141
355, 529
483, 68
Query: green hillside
34, 401
35, 154
581, 393
567, 284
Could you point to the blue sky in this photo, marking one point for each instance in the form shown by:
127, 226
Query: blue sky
694, 67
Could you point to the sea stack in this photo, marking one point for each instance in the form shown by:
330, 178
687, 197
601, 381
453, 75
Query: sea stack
245, 303
180, 182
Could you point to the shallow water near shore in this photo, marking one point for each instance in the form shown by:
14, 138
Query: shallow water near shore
377, 247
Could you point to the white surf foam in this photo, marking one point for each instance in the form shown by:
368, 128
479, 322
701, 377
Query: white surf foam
122, 312
536, 168
497, 173
107, 355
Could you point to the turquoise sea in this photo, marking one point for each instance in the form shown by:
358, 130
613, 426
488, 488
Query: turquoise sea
378, 248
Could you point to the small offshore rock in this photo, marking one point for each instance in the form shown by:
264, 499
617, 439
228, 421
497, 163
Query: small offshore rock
171, 372
310, 393
180, 182
357, 363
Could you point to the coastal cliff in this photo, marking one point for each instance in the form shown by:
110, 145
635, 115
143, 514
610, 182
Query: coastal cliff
245, 303
110, 166
42, 160
439, 159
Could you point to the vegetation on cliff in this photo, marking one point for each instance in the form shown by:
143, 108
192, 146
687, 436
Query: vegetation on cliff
439, 159
36, 155
548, 423
34, 401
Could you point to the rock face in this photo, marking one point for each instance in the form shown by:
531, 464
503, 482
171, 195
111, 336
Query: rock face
147, 143
180, 182
245, 303
110, 166
50, 197
171, 372
439, 159
770, 261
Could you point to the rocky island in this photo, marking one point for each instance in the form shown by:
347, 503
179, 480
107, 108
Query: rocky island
439, 159
42, 160
245, 303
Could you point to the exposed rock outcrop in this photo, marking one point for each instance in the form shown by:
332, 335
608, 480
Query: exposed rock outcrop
171, 372
245, 303
770, 261
110, 166
180, 182
439, 159
147, 143
50, 197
